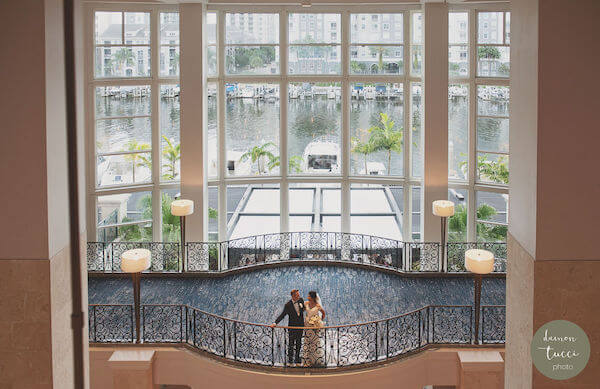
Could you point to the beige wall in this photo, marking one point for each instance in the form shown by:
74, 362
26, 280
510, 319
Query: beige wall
35, 277
553, 261
174, 366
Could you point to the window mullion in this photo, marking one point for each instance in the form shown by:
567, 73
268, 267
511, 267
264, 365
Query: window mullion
472, 143
222, 153
345, 149
283, 131
155, 125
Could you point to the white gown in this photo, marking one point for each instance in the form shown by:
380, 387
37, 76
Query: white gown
313, 346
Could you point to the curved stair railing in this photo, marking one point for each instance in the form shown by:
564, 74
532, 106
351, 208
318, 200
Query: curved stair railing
295, 246
260, 344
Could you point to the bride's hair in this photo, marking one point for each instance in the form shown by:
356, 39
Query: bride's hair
313, 294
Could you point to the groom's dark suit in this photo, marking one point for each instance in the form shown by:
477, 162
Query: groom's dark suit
295, 319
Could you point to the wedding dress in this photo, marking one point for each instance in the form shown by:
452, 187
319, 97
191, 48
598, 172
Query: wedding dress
313, 347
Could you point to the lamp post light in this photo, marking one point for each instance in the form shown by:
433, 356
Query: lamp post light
478, 262
135, 262
182, 208
443, 209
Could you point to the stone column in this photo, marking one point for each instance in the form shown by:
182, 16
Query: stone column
35, 276
481, 369
132, 369
435, 80
553, 258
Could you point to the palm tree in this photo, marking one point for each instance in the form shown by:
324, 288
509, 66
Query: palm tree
171, 153
257, 154
294, 164
386, 138
380, 51
138, 159
363, 147
122, 57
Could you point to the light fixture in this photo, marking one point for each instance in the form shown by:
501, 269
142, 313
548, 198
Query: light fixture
443, 209
478, 262
135, 262
306, 4
182, 208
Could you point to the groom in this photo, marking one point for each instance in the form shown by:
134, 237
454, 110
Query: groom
294, 309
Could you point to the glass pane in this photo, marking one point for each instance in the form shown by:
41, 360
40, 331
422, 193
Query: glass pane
314, 125
492, 134
122, 61
253, 210
211, 60
169, 131
493, 100
249, 28
302, 198
123, 101
213, 213
417, 28
492, 216
123, 135
170, 224
490, 27
251, 60
416, 60
169, 61
458, 27
314, 60
314, 28
376, 59
370, 199
492, 168
380, 226
493, 61
123, 169
211, 124
458, 61
331, 223
169, 28
109, 28
416, 213
124, 208
137, 28
211, 28
300, 223
458, 131
377, 128
507, 29
331, 201
457, 223
376, 28
417, 133
252, 129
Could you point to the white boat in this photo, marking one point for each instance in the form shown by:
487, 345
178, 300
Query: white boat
247, 93
331, 93
322, 155
369, 92
374, 169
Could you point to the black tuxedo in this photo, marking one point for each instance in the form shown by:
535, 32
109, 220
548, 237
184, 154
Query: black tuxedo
294, 336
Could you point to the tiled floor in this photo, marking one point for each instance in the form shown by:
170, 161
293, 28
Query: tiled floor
349, 295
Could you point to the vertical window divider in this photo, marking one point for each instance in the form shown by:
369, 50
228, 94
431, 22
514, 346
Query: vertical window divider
155, 123
345, 96
284, 204
472, 141
222, 150
407, 168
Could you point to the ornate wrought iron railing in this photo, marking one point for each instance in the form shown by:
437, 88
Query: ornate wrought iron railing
325, 347
295, 246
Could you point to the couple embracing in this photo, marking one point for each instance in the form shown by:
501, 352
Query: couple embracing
300, 314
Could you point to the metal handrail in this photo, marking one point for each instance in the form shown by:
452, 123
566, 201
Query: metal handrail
261, 344
403, 256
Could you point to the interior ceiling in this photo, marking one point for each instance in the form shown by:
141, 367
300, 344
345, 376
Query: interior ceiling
300, 2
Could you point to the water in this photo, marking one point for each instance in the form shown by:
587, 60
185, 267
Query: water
253, 122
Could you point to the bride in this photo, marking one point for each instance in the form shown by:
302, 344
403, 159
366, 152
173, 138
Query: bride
313, 351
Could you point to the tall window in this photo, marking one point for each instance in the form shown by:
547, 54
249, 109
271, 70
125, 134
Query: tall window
478, 124
136, 145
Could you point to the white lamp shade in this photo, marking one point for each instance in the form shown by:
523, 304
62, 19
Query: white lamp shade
135, 261
479, 261
182, 207
443, 208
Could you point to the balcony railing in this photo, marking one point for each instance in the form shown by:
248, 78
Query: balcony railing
295, 246
330, 346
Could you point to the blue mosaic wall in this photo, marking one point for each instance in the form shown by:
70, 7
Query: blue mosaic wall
349, 295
